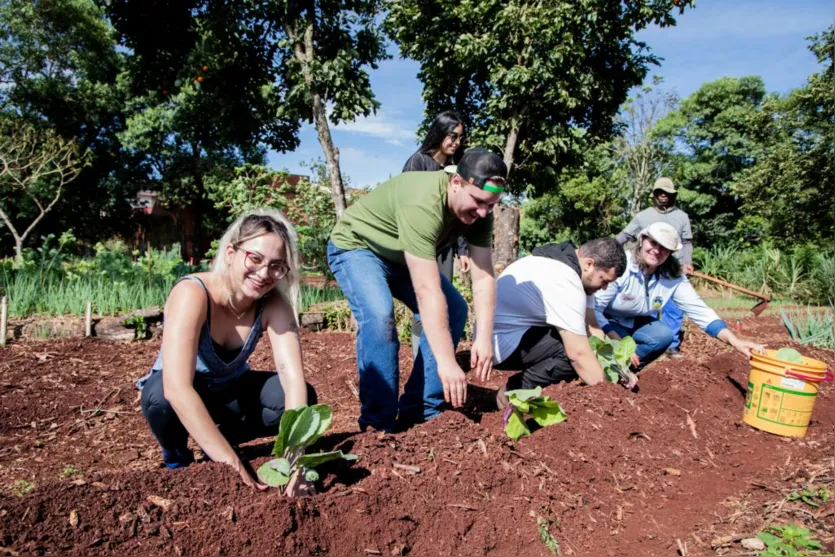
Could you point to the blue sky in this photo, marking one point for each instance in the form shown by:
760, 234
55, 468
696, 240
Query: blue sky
718, 38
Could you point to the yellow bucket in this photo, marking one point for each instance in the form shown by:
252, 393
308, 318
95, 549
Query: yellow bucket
781, 394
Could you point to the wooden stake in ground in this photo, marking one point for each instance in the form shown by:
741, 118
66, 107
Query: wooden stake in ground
88, 320
4, 319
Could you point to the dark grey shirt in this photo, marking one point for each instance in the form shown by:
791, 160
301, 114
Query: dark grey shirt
675, 217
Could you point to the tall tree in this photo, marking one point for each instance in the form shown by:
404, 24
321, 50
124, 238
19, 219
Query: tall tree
36, 165
713, 137
332, 42
636, 149
59, 68
796, 173
538, 81
207, 94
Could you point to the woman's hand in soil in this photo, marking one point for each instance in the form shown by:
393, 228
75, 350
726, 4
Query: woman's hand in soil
298, 486
248, 480
481, 357
746, 346
454, 382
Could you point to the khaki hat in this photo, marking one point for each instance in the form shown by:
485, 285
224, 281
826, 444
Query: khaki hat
664, 234
665, 184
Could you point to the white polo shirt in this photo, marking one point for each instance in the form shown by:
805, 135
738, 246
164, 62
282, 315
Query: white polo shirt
537, 292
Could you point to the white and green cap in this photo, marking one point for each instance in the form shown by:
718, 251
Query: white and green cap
664, 234
478, 166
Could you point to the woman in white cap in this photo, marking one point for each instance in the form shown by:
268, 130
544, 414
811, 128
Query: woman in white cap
630, 306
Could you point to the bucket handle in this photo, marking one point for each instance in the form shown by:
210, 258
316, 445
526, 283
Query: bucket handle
827, 376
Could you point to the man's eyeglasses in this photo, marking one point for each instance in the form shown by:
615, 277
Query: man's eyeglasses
254, 262
456, 137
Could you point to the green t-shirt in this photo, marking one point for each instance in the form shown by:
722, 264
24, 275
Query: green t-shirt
407, 213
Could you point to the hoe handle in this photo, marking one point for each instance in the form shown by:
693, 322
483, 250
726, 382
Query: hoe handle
721, 282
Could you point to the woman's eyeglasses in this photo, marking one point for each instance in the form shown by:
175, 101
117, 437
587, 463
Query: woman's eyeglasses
456, 137
254, 262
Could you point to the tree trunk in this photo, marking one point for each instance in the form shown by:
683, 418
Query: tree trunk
331, 155
304, 54
506, 223
505, 236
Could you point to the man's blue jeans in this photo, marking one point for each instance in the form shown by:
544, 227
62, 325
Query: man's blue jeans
652, 336
371, 283
673, 317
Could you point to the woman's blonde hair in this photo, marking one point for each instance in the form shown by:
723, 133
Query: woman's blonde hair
258, 222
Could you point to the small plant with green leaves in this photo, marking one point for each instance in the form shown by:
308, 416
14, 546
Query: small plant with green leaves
790, 540
543, 526
544, 411
22, 488
615, 356
810, 496
70, 471
299, 429
138, 324
816, 328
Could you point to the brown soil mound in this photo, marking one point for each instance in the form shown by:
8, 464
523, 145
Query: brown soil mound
626, 474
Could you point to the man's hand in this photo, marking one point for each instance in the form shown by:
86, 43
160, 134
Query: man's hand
613, 335
455, 383
481, 357
464, 262
688, 268
635, 359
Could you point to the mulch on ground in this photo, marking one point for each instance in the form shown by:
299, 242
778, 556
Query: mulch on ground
627, 474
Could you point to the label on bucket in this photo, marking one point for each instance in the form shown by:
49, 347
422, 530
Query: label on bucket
792, 383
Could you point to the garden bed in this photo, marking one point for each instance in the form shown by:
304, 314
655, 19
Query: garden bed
626, 474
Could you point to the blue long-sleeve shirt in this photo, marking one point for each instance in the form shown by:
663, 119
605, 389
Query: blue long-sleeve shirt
634, 294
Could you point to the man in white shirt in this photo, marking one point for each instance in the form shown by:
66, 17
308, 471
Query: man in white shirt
545, 312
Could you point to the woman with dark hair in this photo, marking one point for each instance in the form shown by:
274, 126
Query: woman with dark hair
446, 134
631, 305
442, 143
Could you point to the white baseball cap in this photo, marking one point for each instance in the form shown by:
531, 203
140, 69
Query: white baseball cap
664, 234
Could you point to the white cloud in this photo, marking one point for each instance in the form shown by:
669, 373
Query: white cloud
385, 125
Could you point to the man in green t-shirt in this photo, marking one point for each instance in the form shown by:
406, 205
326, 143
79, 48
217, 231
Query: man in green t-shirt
384, 247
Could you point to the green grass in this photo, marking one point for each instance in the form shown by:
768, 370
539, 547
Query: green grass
811, 326
50, 294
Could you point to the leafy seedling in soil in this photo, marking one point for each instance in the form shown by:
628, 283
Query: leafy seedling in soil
299, 429
543, 526
790, 540
70, 471
21, 488
615, 357
812, 497
530, 401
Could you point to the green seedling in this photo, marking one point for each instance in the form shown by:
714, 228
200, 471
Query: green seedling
615, 357
299, 429
530, 401
790, 540
789, 355
21, 488
812, 497
70, 471
543, 526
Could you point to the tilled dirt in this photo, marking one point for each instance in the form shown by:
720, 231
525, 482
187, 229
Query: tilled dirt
627, 474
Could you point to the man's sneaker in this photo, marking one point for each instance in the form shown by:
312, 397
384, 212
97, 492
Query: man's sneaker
674, 353
179, 458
